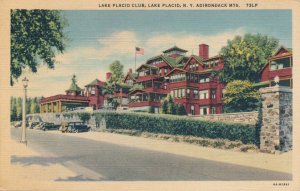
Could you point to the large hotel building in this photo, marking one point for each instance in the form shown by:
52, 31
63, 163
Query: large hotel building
189, 79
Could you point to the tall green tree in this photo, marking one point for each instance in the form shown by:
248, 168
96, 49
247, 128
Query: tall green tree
19, 108
245, 56
13, 109
240, 96
116, 69
36, 37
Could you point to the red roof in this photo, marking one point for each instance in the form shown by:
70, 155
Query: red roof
64, 97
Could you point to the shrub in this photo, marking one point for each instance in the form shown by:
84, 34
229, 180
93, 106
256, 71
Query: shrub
151, 109
177, 125
83, 116
180, 110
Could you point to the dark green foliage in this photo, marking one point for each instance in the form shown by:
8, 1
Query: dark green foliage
240, 96
176, 125
245, 56
164, 107
180, 110
36, 37
151, 109
32, 106
85, 117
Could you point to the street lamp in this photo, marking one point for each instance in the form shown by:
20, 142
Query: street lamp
276, 80
23, 138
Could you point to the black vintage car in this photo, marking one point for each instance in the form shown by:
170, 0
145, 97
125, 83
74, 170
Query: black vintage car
74, 127
49, 126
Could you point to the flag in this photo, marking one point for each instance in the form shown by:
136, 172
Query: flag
139, 50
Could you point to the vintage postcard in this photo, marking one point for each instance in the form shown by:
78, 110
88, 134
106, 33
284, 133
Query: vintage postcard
149, 95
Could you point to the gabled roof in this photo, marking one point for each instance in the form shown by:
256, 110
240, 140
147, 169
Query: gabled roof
174, 48
176, 69
131, 75
282, 48
146, 66
173, 62
288, 50
212, 58
95, 82
197, 58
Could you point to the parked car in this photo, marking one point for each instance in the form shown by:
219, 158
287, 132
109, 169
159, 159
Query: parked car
74, 127
49, 126
32, 125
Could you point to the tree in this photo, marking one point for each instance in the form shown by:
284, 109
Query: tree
164, 106
36, 37
245, 56
19, 108
114, 83
171, 105
151, 109
240, 96
180, 110
116, 69
13, 109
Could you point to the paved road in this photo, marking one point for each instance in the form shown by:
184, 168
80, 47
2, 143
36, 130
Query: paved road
121, 163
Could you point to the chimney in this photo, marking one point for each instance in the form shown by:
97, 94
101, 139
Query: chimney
130, 70
108, 75
203, 51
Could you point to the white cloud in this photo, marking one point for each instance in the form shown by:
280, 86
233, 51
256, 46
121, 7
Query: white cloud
92, 62
190, 42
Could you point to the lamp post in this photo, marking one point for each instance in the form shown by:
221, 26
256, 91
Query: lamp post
276, 80
23, 138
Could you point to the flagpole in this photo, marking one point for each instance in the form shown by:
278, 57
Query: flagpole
135, 58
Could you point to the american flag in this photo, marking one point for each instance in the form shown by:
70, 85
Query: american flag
139, 50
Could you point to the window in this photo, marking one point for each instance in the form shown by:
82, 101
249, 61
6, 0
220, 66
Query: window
192, 109
196, 94
166, 71
188, 93
223, 92
160, 71
93, 92
213, 110
179, 93
203, 110
213, 94
286, 82
204, 79
203, 94
176, 93
280, 63
165, 86
183, 92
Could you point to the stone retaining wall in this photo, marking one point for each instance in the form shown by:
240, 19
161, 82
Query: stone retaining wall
241, 117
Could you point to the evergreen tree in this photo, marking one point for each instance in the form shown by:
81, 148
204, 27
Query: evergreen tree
171, 105
13, 109
164, 106
19, 108
151, 109
181, 110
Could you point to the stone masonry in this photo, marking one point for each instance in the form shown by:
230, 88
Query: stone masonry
276, 131
240, 117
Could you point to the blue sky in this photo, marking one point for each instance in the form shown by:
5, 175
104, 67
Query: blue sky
97, 38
